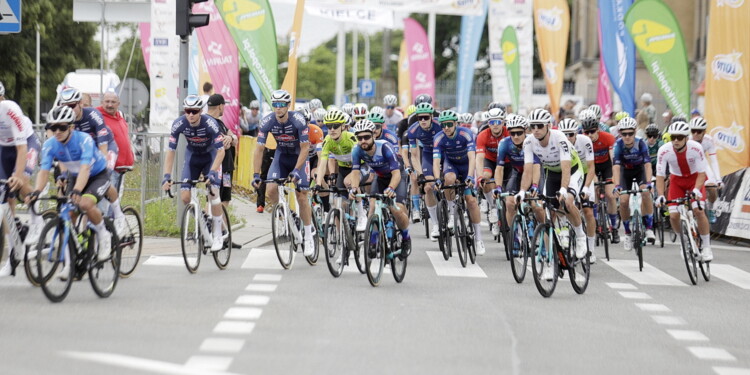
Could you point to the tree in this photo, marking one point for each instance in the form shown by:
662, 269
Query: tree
137, 65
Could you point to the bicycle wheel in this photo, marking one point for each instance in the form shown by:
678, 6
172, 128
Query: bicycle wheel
704, 266
313, 259
580, 269
398, 263
359, 252
603, 230
425, 216
103, 274
504, 229
659, 225
51, 258
543, 251
30, 266
333, 244
374, 250
688, 255
443, 240
499, 203
221, 257
459, 228
471, 247
638, 234
131, 244
282, 236
519, 249
191, 238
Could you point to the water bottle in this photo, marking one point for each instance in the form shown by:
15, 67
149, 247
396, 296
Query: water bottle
564, 236
389, 230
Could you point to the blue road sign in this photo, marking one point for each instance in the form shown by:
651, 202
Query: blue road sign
10, 16
366, 88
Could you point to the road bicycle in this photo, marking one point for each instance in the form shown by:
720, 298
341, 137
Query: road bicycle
502, 209
637, 230
444, 232
424, 213
690, 241
660, 218
16, 234
131, 241
196, 227
287, 228
463, 231
602, 218
340, 237
520, 237
383, 241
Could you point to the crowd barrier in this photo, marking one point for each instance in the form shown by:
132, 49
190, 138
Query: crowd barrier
733, 206
243, 172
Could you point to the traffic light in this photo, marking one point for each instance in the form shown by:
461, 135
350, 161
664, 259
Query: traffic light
186, 20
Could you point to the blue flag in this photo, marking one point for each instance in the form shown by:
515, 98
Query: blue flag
471, 34
618, 50
256, 90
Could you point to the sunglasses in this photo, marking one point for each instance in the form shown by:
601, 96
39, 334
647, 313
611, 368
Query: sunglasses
588, 132
279, 104
448, 124
678, 137
364, 138
537, 126
192, 111
424, 118
56, 128
495, 122
378, 126
390, 107
516, 134
653, 136
696, 131
569, 135
627, 134
334, 126
72, 105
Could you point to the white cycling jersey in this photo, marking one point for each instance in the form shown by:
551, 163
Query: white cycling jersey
558, 149
393, 119
690, 161
713, 173
15, 128
584, 147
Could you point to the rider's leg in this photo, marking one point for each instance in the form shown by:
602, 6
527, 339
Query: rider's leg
611, 205
588, 216
647, 207
625, 212
474, 216
450, 194
272, 190
510, 208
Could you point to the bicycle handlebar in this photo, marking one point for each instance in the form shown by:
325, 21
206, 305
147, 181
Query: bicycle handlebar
186, 181
633, 192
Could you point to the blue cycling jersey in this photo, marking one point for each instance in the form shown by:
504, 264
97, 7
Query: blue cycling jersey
288, 135
383, 161
509, 153
454, 148
425, 137
92, 123
77, 151
632, 157
390, 136
205, 137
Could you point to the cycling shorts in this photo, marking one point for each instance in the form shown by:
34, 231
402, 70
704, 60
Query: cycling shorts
461, 170
553, 182
195, 166
379, 184
96, 186
427, 163
603, 171
513, 181
627, 176
283, 165
679, 186
489, 166
8, 158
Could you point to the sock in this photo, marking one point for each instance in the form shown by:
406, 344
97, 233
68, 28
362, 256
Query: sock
706, 239
649, 219
326, 203
216, 226
477, 231
308, 231
433, 213
613, 220
361, 209
579, 231
99, 228
117, 209
415, 201
405, 234
626, 224
490, 198
592, 243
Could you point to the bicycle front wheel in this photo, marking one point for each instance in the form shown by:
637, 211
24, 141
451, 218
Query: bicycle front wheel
638, 234
603, 230
55, 264
580, 269
544, 265
131, 244
398, 261
103, 274
283, 239
519, 249
443, 240
191, 238
374, 250
688, 255
333, 244
221, 257
459, 225
504, 229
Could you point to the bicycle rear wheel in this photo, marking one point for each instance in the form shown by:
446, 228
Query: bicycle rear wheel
638, 235
51, 258
191, 238
131, 244
398, 263
374, 250
580, 269
603, 230
283, 239
103, 274
443, 240
519, 250
425, 216
221, 257
313, 259
504, 229
545, 257
688, 255
459, 228
333, 244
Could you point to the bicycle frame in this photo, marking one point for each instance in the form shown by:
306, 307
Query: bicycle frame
283, 192
382, 211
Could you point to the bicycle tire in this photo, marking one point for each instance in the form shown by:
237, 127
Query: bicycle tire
30, 267
103, 274
359, 253
132, 244
704, 266
398, 263
443, 241
500, 212
333, 245
191, 237
221, 257
354, 239
638, 235
48, 260
504, 229
374, 250
544, 253
459, 228
579, 270
603, 227
687, 254
425, 216
470, 244
520, 256
283, 239
313, 259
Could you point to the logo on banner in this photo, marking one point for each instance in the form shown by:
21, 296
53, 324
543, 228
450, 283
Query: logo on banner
160, 42
550, 70
462, 4
419, 52
729, 138
730, 3
727, 66
225, 91
509, 52
551, 19
160, 93
244, 14
215, 48
292, 44
653, 37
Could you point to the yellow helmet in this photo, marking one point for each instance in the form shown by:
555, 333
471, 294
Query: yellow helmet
410, 110
621, 115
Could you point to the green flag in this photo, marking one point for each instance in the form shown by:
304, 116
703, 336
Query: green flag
658, 37
509, 45
252, 27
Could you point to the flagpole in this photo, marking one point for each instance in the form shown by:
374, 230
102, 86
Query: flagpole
340, 61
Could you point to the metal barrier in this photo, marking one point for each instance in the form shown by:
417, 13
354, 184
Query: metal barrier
150, 151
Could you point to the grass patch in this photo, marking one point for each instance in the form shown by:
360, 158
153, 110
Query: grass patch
161, 218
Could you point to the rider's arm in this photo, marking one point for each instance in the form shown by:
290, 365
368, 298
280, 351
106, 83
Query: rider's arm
218, 159
471, 148
83, 177
472, 162
565, 180
20, 161
616, 160
355, 175
528, 162
660, 185
304, 151
416, 159
169, 162
436, 158
591, 174
499, 170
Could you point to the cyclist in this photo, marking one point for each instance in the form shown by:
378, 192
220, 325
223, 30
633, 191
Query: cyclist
597, 110
392, 116
687, 167
563, 172
252, 118
424, 132
486, 151
654, 142
319, 114
203, 156
359, 112
455, 147
633, 164
698, 128
89, 120
465, 120
585, 149
381, 133
290, 161
402, 134
380, 157
315, 136
603, 144
314, 105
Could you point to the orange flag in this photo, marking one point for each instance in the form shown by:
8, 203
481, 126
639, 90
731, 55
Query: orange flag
404, 78
290, 80
552, 25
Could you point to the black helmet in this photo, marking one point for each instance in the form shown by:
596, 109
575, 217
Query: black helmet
423, 98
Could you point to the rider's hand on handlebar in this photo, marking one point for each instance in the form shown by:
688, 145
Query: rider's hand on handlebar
697, 194
166, 183
660, 201
562, 194
256, 180
389, 192
469, 181
618, 190
520, 195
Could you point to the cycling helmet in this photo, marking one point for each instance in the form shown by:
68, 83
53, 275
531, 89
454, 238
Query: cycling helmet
483, 117
679, 128
496, 114
335, 116
390, 100
597, 111
360, 111
2, 89
568, 125
677, 119
331, 107
423, 98
698, 123
496, 105
254, 104
315, 104
588, 119
448, 115
627, 123
466, 118
69, 96
376, 118
281, 96
306, 113
191, 101
347, 108
517, 121
540, 116
377, 109
424, 108
652, 130
319, 114
410, 110
61, 115
621, 115
363, 126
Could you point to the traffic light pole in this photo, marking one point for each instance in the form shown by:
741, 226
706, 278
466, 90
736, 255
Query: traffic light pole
181, 145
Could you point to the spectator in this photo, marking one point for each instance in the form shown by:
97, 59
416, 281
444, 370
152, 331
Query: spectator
119, 127
252, 119
666, 118
649, 108
695, 113
264, 166
85, 101
642, 119
208, 89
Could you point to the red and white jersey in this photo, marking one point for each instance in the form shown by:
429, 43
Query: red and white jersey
713, 173
688, 162
15, 128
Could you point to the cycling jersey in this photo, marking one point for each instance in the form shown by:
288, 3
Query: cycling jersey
92, 122
289, 135
510, 154
631, 157
200, 138
426, 137
15, 128
487, 143
456, 148
77, 151
585, 149
390, 136
602, 147
558, 149
340, 149
682, 164
653, 151
393, 119
713, 173
382, 162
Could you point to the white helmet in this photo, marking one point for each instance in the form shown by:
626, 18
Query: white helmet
360, 111
466, 118
540, 116
70, 95
281, 96
484, 116
377, 109
568, 125
390, 100
61, 115
646, 97
315, 104
348, 108
597, 111
495, 114
363, 126
517, 121
191, 101
319, 114
679, 128
698, 123
254, 104
627, 123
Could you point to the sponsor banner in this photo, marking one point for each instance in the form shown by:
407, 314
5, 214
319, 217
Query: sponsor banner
471, 34
729, 196
164, 66
728, 82
618, 51
358, 16
290, 80
552, 25
517, 14
404, 77
194, 65
509, 44
603, 98
452, 7
144, 29
658, 37
251, 24
421, 66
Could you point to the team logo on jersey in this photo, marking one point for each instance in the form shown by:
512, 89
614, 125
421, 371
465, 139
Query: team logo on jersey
729, 138
285, 138
727, 66
550, 19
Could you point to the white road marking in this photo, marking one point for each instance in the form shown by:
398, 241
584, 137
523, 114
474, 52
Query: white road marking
731, 274
634, 295
261, 288
668, 320
267, 277
160, 260
452, 267
709, 353
215, 344
252, 300
624, 286
687, 335
141, 364
243, 313
653, 307
209, 362
262, 259
731, 370
233, 327
649, 276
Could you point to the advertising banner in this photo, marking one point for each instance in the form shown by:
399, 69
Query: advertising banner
509, 43
164, 65
144, 30
552, 25
617, 51
471, 34
404, 77
603, 97
353, 15
290, 80
452, 7
519, 15
421, 66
